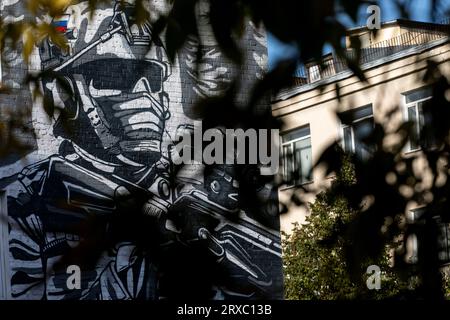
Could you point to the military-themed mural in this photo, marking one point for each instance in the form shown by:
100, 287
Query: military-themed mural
107, 154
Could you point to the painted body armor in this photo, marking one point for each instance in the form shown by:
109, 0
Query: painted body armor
114, 133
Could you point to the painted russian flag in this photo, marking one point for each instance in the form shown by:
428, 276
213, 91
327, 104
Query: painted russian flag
61, 22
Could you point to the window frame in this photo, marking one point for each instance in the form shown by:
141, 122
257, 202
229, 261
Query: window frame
291, 143
352, 130
418, 114
314, 73
414, 217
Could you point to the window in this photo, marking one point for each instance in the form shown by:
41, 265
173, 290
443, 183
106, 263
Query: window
412, 241
297, 156
443, 241
314, 73
4, 250
415, 102
358, 126
442, 230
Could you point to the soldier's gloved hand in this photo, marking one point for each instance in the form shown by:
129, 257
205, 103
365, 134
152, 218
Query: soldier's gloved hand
133, 203
125, 200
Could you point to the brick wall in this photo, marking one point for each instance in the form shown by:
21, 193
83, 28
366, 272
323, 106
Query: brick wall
113, 137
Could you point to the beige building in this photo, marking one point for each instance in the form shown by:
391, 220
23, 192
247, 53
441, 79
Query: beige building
394, 61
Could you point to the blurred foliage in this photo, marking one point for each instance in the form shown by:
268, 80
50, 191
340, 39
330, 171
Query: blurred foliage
316, 268
388, 182
331, 244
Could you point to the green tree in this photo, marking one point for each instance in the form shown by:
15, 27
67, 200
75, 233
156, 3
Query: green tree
315, 255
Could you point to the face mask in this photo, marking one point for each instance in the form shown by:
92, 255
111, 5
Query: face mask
134, 121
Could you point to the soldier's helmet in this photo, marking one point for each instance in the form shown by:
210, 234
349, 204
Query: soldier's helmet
111, 53
85, 36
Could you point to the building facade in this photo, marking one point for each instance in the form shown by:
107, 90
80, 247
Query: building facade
394, 61
113, 137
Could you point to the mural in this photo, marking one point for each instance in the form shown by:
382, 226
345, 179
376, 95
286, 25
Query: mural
114, 139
